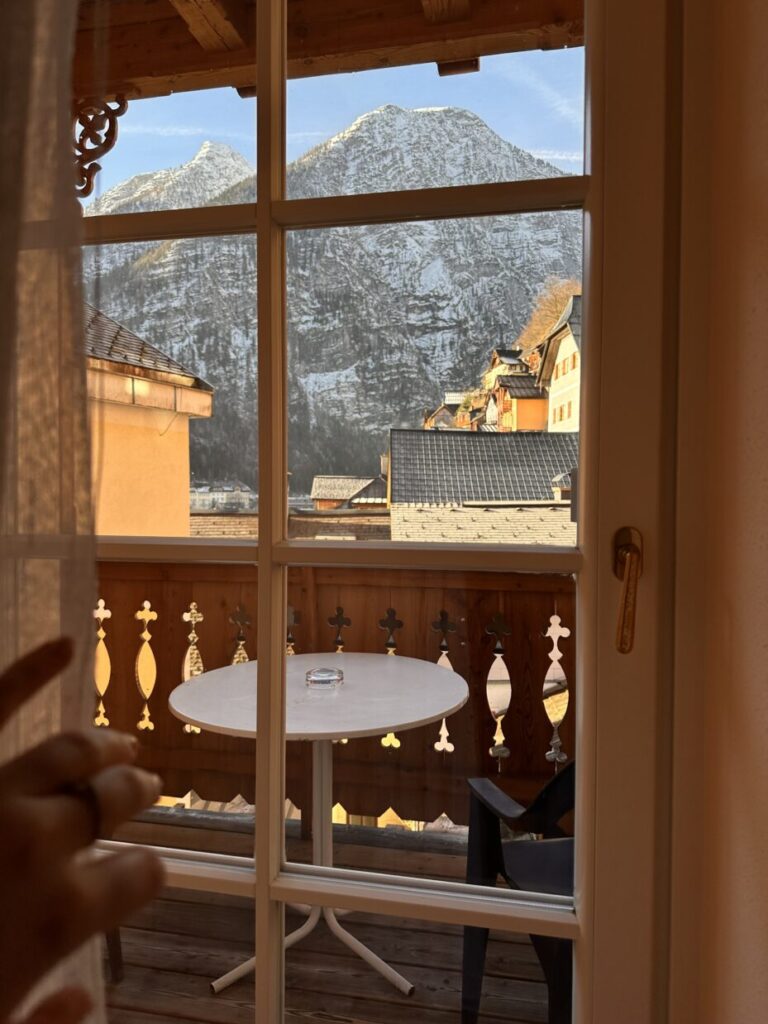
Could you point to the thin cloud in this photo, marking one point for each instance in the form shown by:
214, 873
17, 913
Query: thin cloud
567, 107
296, 136
183, 131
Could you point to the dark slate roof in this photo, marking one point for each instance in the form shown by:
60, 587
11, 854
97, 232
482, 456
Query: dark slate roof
374, 491
571, 315
575, 320
508, 355
454, 466
520, 385
106, 339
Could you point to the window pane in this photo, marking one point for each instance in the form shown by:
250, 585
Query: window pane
178, 152
156, 625
174, 948
446, 677
518, 116
324, 977
427, 401
171, 341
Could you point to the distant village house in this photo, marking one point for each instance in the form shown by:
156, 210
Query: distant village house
140, 405
560, 368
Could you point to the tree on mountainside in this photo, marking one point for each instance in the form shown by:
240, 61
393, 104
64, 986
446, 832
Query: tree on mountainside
548, 309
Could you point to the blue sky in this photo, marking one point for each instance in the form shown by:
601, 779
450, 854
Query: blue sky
534, 99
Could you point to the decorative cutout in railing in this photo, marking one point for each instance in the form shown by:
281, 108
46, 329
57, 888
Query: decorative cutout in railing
193, 662
498, 687
555, 692
339, 620
102, 666
242, 620
146, 666
444, 626
365, 781
390, 623
294, 619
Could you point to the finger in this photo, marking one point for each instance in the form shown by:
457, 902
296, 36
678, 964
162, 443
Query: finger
66, 760
96, 896
27, 675
68, 1006
69, 821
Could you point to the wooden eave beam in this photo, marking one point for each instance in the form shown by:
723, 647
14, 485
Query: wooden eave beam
440, 11
217, 24
325, 37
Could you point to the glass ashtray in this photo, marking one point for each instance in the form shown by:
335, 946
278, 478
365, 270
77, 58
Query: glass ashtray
324, 678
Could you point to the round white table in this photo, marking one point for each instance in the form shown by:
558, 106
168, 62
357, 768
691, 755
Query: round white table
380, 694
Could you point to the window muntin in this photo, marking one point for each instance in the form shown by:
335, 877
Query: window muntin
405, 423
400, 795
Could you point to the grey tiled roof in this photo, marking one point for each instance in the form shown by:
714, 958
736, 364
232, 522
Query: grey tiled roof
516, 524
374, 491
106, 339
508, 355
449, 467
571, 315
550, 346
520, 385
339, 488
574, 321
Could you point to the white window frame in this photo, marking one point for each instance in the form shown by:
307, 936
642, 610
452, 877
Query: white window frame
617, 919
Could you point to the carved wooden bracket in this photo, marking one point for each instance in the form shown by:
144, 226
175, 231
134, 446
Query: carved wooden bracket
95, 134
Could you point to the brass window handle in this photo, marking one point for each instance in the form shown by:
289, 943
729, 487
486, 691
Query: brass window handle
628, 567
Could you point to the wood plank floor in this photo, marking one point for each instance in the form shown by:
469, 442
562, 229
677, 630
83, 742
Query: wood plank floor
174, 947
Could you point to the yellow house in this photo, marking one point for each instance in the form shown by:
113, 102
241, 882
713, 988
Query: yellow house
517, 403
140, 404
560, 368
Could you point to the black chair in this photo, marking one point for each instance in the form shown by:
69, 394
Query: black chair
536, 865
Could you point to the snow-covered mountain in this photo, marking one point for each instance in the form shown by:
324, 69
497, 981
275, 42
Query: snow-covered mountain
214, 168
381, 319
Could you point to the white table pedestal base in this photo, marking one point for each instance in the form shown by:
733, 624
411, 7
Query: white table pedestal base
322, 853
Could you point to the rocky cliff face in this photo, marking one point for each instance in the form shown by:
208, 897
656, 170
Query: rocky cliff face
381, 319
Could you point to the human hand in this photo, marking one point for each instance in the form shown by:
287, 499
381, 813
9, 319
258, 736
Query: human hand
54, 801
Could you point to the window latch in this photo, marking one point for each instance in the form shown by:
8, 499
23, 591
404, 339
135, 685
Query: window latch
628, 567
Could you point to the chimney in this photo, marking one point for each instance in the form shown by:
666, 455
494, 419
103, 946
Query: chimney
561, 487
384, 464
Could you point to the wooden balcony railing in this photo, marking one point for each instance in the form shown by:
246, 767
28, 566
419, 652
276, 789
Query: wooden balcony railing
479, 621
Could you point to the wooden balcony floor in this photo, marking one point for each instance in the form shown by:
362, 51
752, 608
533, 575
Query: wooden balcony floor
174, 948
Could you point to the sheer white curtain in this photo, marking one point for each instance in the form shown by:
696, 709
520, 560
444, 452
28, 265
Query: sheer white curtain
47, 565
